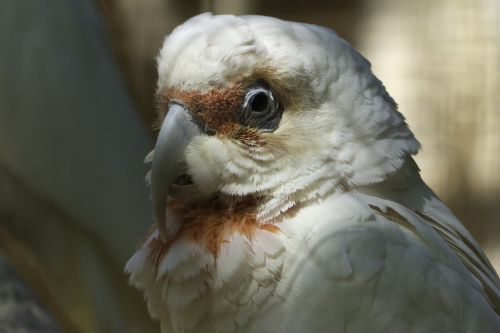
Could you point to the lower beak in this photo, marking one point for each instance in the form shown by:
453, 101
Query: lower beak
176, 133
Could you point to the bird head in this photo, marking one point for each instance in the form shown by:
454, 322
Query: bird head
286, 113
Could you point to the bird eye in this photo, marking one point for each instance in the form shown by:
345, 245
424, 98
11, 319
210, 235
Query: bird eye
259, 101
261, 109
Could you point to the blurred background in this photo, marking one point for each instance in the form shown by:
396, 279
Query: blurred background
77, 82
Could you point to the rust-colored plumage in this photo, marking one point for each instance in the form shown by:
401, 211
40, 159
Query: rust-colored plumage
216, 109
210, 224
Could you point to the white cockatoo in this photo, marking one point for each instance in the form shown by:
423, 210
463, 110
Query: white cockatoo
287, 199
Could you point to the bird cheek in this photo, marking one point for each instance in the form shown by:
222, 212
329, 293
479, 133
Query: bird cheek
205, 159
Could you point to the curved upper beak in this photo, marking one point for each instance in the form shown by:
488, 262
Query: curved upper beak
176, 133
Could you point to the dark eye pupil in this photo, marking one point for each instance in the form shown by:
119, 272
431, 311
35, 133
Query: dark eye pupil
260, 109
259, 102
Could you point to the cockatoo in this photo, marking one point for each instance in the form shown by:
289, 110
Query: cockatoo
286, 198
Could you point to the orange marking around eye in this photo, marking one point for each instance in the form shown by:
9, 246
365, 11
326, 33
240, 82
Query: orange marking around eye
215, 108
218, 109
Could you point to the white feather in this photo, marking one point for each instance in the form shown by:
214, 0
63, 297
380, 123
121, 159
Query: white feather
231, 256
181, 251
269, 242
179, 295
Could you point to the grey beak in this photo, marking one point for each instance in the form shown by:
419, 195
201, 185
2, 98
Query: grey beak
176, 133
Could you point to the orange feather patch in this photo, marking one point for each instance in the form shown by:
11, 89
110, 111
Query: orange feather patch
211, 224
218, 109
215, 108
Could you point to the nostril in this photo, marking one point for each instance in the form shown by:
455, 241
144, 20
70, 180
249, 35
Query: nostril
183, 179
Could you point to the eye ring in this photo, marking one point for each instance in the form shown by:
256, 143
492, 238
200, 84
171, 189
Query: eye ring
260, 108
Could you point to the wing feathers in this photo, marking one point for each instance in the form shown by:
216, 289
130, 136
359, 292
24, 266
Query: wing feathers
472, 258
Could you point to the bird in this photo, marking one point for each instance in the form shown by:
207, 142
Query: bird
286, 197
